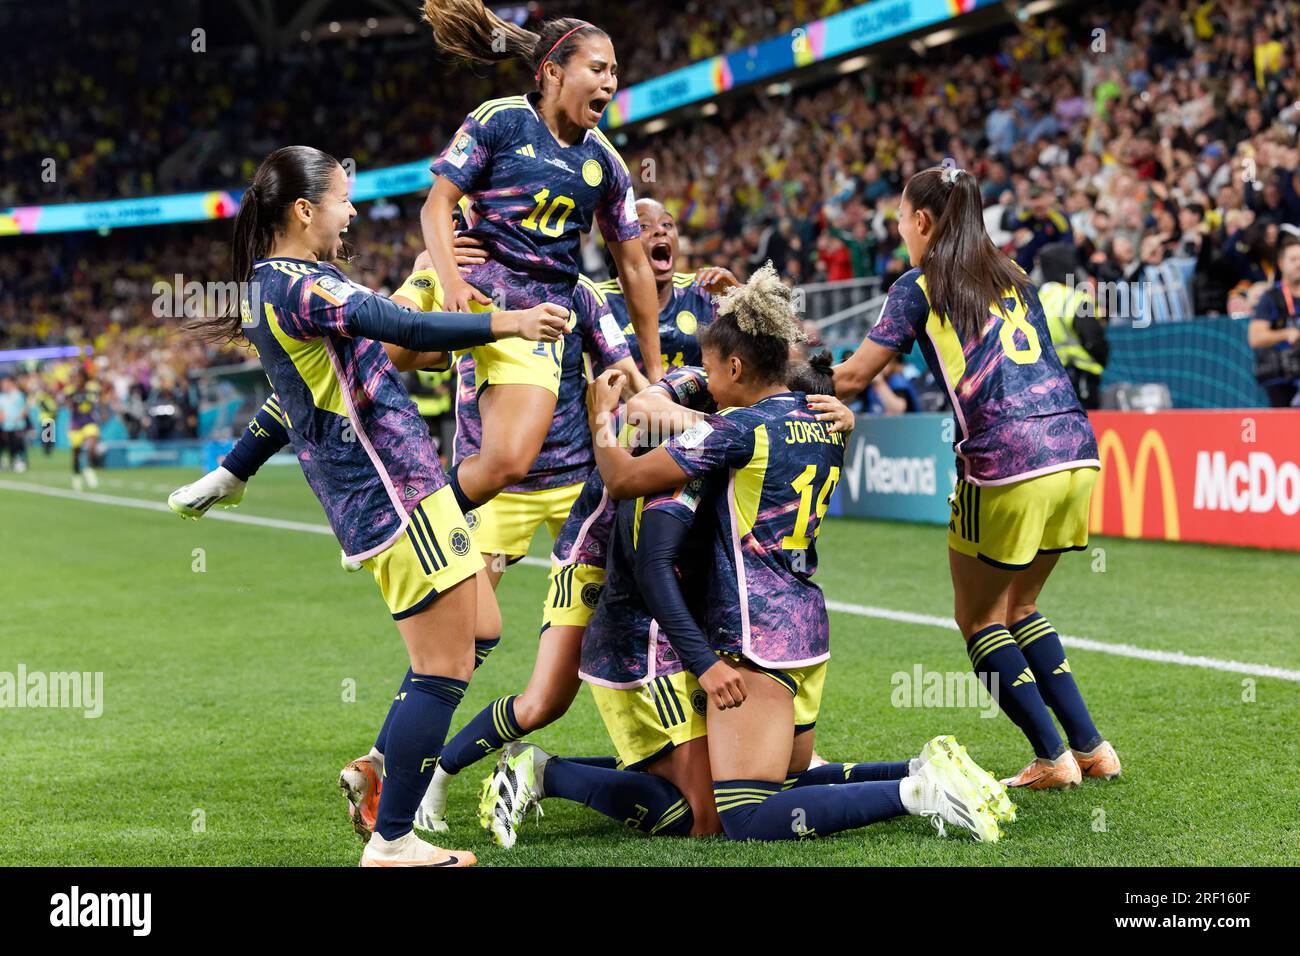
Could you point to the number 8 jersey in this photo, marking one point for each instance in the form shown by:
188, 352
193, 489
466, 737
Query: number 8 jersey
773, 470
1016, 412
531, 196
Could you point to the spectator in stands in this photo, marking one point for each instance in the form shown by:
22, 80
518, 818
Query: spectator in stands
1274, 331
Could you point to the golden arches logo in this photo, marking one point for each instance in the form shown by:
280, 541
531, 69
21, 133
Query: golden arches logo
1133, 484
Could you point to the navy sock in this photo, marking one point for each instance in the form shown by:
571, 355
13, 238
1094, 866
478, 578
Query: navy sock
760, 810
462, 500
1041, 645
491, 727
832, 773
997, 660
483, 646
382, 738
640, 801
609, 763
415, 738
265, 435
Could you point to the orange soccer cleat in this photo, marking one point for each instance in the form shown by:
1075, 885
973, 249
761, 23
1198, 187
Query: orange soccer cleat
1101, 762
361, 784
1042, 774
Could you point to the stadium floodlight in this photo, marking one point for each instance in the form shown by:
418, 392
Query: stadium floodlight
853, 64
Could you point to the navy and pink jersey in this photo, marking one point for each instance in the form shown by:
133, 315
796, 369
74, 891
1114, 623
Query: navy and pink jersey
531, 198
1016, 413
82, 402
593, 339
775, 468
622, 646
363, 447
689, 310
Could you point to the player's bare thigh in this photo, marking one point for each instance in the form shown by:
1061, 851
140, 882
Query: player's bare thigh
979, 592
754, 741
440, 638
554, 682
687, 768
1022, 600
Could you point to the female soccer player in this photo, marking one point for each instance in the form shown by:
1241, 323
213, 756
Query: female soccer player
1026, 460
365, 450
773, 467
685, 299
82, 397
538, 173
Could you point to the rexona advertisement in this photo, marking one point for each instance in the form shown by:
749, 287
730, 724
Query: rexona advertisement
899, 468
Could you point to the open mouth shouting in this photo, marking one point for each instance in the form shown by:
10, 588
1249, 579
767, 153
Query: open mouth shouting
661, 256
596, 108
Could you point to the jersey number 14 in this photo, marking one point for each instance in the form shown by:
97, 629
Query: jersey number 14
800, 540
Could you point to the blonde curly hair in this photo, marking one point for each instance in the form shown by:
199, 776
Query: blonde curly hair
762, 306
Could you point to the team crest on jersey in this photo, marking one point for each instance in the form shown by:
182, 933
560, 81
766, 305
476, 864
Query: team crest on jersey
471, 519
591, 595
460, 149
592, 174
687, 322
422, 282
459, 541
699, 702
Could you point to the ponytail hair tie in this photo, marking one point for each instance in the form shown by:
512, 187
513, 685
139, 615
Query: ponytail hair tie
950, 174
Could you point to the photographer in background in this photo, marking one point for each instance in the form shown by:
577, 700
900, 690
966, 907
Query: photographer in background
1274, 332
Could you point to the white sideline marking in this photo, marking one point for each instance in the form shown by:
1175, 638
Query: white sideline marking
843, 607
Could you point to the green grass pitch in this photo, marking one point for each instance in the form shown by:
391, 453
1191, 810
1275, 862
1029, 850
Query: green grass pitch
226, 716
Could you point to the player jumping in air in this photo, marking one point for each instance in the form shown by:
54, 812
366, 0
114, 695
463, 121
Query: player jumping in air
1026, 461
366, 452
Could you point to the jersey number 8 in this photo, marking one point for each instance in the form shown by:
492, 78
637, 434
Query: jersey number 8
561, 204
1017, 319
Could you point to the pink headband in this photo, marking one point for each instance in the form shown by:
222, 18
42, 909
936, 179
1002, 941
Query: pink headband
580, 26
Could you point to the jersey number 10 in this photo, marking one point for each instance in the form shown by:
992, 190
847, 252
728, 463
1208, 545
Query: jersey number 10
800, 540
562, 205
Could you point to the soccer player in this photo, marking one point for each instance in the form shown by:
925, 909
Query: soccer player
13, 423
761, 657
686, 305
1026, 461
537, 173
83, 396
365, 451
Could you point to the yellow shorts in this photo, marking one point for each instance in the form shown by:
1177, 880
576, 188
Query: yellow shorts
77, 437
573, 595
805, 685
507, 523
1008, 526
435, 553
511, 361
646, 723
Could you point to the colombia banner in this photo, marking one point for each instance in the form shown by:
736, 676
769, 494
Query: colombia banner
1221, 477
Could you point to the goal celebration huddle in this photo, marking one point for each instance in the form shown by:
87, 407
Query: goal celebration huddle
683, 469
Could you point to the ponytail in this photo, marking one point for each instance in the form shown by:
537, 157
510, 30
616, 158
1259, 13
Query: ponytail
287, 175
469, 30
965, 274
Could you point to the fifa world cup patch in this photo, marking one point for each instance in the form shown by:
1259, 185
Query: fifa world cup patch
693, 436
609, 328
460, 149
459, 541
332, 290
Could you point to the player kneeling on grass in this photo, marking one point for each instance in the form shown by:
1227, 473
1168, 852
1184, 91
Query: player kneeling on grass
1026, 461
754, 471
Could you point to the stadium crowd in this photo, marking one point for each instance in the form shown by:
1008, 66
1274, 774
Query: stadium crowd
1159, 141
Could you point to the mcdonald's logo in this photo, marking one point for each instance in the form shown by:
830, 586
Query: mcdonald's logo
1133, 484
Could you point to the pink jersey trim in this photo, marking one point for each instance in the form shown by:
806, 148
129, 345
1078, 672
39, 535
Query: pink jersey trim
631, 685
1036, 473
584, 529
740, 564
396, 499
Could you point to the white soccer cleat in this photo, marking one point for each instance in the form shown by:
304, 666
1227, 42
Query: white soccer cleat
511, 790
990, 788
77, 483
217, 487
947, 795
432, 812
92, 479
410, 850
